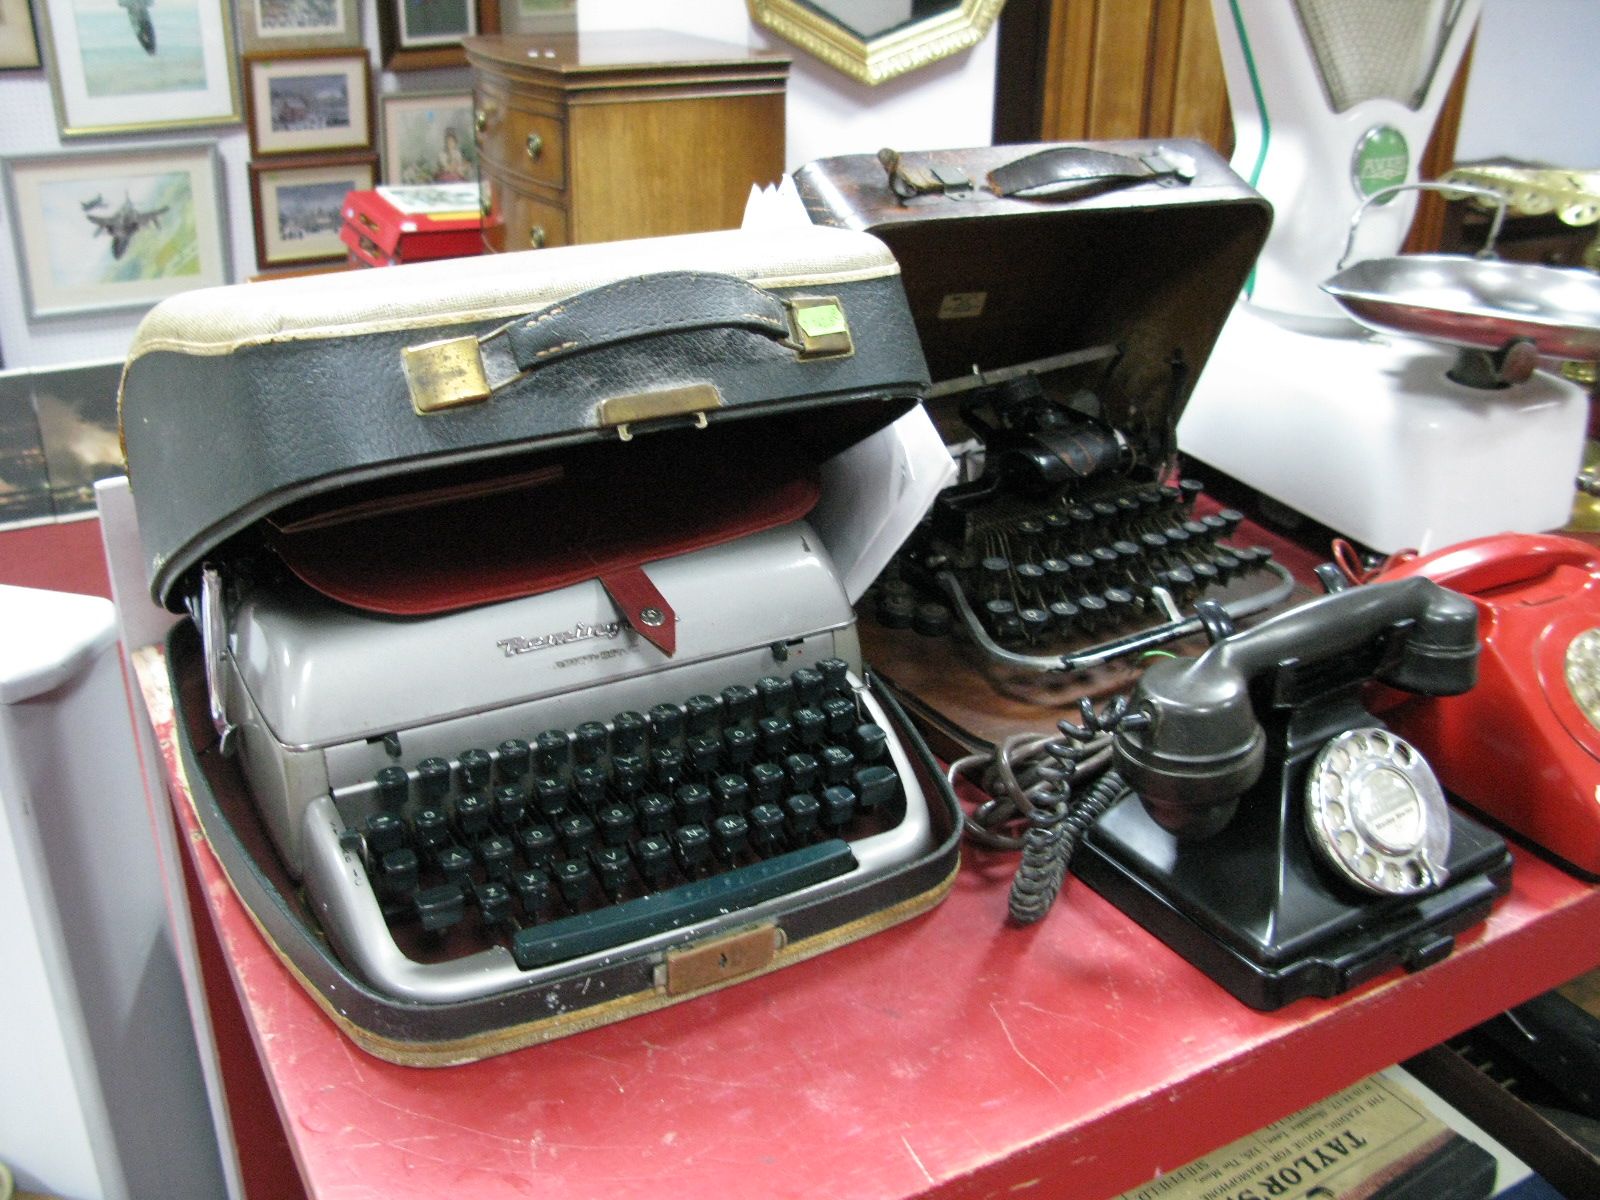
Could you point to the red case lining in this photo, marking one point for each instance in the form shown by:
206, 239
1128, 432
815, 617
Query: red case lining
598, 512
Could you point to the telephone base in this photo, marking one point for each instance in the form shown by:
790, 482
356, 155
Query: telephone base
1265, 920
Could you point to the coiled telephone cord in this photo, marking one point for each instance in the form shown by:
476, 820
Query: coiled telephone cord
1030, 779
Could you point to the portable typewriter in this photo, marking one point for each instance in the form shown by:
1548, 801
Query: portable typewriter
522, 694
1067, 297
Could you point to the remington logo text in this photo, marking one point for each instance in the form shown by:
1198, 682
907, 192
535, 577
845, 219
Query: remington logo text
581, 632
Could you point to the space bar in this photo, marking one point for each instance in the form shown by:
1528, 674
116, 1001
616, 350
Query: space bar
742, 887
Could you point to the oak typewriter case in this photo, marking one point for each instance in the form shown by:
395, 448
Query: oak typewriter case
1067, 298
522, 693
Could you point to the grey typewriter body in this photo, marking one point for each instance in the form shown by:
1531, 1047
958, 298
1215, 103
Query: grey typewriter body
326, 698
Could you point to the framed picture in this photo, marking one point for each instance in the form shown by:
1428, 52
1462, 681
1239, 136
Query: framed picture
117, 66
300, 103
417, 34
428, 138
121, 228
270, 25
298, 205
19, 43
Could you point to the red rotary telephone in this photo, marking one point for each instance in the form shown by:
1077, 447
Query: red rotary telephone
1523, 746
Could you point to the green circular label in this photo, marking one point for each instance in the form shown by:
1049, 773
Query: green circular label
1382, 160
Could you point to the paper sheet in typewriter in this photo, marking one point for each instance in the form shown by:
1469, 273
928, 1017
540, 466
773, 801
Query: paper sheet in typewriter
522, 693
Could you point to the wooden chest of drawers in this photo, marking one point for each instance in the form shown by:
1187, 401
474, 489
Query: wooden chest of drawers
596, 137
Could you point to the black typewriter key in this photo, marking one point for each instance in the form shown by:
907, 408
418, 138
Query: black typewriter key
532, 888
767, 783
589, 742
1171, 497
394, 786
766, 828
433, 779
1127, 508
472, 814
1226, 564
840, 714
666, 723
1177, 536
802, 772
497, 854
1152, 543
836, 763
627, 733
1254, 556
738, 703
807, 683
629, 775
653, 855
739, 745
932, 620
439, 907
1057, 574
692, 845
538, 844
705, 753
1091, 611
701, 714
512, 759
551, 752
730, 793
730, 834
1063, 614
693, 804
803, 813
1127, 552
1119, 603
1181, 578
1205, 574
809, 725
994, 577
1191, 489
1030, 578
614, 868
476, 768
838, 808
1105, 512
896, 612
1196, 530
775, 693
875, 786
1231, 518
1215, 526
870, 741
616, 823
430, 828
773, 734
383, 832
1034, 622
493, 899
397, 874
1083, 522
552, 795
589, 785
835, 676
654, 812
1105, 561
575, 880
578, 833
666, 767
454, 863
1081, 565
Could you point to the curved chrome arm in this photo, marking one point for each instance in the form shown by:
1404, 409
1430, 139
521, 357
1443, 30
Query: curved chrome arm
1429, 185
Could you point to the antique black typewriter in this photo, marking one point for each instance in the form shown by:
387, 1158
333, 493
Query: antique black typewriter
522, 691
1067, 298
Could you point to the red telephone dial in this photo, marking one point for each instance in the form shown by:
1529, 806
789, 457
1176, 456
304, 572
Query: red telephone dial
1523, 746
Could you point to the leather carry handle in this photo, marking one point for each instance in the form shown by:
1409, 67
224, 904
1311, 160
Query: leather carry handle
1074, 170
457, 371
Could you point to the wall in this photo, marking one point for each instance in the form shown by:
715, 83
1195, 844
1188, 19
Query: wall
947, 104
1534, 89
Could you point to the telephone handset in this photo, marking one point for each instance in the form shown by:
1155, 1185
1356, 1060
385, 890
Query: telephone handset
1283, 839
1523, 747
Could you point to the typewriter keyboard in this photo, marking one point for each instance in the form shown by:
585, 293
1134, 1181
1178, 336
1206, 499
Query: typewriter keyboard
578, 840
1065, 573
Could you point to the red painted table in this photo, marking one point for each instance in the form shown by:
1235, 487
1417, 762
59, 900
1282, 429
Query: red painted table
951, 1056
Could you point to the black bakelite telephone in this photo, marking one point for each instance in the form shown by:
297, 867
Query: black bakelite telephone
1283, 839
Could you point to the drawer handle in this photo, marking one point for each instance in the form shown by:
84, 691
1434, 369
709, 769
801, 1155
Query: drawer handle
480, 118
536, 237
535, 147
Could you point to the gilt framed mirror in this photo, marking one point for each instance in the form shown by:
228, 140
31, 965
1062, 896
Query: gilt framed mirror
875, 40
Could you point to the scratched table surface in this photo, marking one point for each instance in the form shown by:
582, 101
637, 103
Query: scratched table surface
952, 1056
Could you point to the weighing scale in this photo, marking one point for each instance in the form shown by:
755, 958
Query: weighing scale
1398, 401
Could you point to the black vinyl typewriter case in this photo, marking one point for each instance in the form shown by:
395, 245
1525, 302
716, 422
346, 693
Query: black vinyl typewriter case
349, 426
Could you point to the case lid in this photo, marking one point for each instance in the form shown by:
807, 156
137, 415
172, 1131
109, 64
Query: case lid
237, 402
1017, 254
